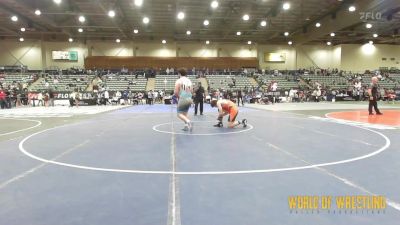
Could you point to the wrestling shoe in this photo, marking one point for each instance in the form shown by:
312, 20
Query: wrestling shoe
190, 125
186, 128
219, 124
379, 113
244, 122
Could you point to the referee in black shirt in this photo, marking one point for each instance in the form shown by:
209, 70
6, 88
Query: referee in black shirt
199, 99
373, 97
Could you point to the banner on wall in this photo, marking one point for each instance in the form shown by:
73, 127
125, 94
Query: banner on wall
274, 57
65, 55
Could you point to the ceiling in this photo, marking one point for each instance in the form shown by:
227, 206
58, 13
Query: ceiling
58, 22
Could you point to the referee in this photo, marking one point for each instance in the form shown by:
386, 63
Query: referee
199, 99
373, 97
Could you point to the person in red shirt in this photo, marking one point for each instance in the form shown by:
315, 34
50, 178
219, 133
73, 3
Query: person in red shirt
227, 107
2, 98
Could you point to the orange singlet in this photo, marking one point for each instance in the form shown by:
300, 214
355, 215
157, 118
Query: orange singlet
230, 108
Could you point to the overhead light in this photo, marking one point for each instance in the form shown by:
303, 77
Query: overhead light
328, 43
117, 40
286, 33
14, 18
317, 24
290, 42
181, 15
214, 4
188, 32
206, 22
246, 17
70, 40
368, 26
23, 29
80, 30
263, 23
332, 34
138, 2
21, 39
38, 12
57, 1
249, 42
207, 42
164, 41
135, 31
371, 42
146, 20
375, 35
286, 6
82, 19
238, 33
111, 13
352, 8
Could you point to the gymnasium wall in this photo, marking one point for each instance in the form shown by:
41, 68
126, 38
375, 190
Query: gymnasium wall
346, 57
25, 53
362, 57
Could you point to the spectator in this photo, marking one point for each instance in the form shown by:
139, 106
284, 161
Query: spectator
40, 99
2, 98
51, 98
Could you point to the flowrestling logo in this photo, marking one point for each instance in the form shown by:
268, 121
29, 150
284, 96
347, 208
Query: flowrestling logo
370, 15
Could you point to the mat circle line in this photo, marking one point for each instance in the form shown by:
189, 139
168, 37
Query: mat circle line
38, 123
371, 154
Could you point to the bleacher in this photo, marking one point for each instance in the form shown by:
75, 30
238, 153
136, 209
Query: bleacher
66, 83
396, 79
226, 82
167, 82
333, 81
285, 82
17, 78
383, 83
123, 82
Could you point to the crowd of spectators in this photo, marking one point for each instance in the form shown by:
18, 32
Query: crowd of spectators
15, 93
14, 89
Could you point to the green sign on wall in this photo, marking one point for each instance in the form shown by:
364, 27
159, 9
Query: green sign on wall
73, 56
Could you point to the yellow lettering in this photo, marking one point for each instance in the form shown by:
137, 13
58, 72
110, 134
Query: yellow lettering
292, 202
340, 202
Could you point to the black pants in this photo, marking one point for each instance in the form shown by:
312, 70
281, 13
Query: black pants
71, 102
3, 104
373, 103
196, 105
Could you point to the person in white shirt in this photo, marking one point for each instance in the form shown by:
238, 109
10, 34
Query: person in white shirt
106, 97
183, 91
40, 99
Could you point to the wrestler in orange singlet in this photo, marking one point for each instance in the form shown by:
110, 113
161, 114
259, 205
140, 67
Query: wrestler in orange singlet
227, 107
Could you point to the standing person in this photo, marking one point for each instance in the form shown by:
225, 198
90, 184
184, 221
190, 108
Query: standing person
106, 97
46, 99
40, 99
51, 97
227, 107
239, 96
199, 99
72, 97
373, 97
2, 99
183, 91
